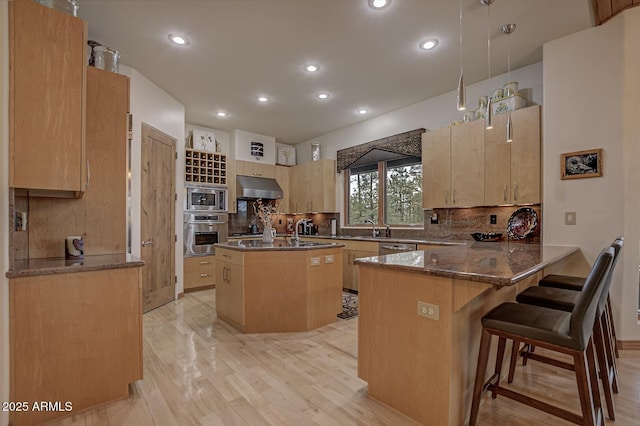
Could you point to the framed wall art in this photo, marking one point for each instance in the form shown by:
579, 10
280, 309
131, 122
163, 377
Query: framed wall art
581, 164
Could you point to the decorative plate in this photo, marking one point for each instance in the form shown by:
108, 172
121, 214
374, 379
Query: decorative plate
522, 223
490, 236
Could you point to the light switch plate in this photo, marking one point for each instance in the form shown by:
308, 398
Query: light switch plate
328, 258
315, 261
569, 218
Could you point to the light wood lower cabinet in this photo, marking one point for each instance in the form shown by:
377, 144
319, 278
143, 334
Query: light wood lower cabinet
229, 272
199, 273
278, 291
74, 338
355, 250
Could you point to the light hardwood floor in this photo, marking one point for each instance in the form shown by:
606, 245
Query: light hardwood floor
200, 371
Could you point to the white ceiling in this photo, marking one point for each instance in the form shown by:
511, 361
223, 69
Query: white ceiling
240, 49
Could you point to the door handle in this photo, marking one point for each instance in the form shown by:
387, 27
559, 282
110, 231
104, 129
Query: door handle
88, 174
147, 243
205, 275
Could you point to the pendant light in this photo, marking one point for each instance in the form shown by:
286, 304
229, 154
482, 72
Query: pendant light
461, 105
488, 118
508, 29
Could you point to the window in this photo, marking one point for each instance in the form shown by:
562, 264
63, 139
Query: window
395, 201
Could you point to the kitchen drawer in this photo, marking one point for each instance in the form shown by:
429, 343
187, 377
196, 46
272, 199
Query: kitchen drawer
199, 272
234, 257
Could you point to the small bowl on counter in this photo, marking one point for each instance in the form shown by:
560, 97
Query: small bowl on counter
486, 237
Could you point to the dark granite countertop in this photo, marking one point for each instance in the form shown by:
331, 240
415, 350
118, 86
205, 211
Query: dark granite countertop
35, 267
490, 262
284, 244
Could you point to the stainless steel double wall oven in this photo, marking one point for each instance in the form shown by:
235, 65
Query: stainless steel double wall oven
206, 221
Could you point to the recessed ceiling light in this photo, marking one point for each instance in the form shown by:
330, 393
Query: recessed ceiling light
379, 4
363, 111
322, 95
178, 39
428, 44
311, 67
221, 114
263, 98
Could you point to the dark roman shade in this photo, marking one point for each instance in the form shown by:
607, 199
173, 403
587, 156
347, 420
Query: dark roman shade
407, 144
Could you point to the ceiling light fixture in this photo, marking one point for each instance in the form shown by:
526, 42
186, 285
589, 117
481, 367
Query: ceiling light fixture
428, 44
322, 95
263, 99
508, 29
488, 117
379, 4
311, 68
363, 111
461, 103
221, 114
178, 39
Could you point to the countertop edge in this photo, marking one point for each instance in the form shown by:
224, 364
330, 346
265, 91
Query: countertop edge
303, 248
74, 268
469, 276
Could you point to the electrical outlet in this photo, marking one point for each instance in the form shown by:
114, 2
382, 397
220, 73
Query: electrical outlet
328, 258
493, 219
434, 218
428, 310
569, 218
315, 261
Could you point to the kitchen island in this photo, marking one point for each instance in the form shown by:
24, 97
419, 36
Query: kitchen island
279, 287
419, 319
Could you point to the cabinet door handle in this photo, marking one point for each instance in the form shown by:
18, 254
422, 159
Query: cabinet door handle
205, 275
225, 255
453, 196
224, 274
257, 174
504, 192
515, 191
88, 174
204, 262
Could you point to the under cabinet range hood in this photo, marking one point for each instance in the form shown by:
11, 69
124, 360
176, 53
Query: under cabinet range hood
251, 187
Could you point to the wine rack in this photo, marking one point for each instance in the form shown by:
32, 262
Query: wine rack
205, 167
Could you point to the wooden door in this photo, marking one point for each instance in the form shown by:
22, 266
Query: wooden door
436, 168
321, 184
47, 96
222, 288
347, 270
497, 163
467, 164
235, 279
298, 200
525, 156
157, 228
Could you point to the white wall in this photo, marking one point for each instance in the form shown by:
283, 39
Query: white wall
153, 106
589, 103
430, 114
4, 208
223, 137
241, 146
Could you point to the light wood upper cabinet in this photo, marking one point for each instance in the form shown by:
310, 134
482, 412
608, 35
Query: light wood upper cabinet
282, 177
467, 164
453, 166
100, 216
436, 168
250, 168
313, 187
47, 90
231, 189
512, 170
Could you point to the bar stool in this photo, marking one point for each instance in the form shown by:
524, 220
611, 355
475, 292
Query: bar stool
575, 283
565, 300
568, 333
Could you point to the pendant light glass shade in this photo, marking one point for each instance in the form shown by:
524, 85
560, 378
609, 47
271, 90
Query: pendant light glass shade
508, 29
509, 127
462, 97
488, 117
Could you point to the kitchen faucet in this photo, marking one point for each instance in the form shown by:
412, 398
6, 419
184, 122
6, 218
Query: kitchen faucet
376, 233
296, 237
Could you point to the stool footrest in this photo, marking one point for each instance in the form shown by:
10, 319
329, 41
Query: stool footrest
547, 360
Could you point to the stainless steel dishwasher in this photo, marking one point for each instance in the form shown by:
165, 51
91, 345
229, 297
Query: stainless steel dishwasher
390, 248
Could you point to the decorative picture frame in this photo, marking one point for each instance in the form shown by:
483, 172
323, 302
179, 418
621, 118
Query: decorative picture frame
581, 164
257, 149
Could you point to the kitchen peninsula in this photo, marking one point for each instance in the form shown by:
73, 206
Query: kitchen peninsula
279, 287
419, 319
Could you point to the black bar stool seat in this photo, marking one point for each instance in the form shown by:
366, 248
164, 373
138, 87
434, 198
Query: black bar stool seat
566, 282
550, 297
